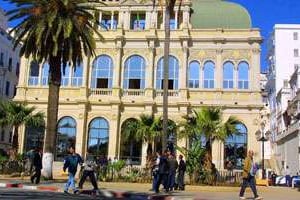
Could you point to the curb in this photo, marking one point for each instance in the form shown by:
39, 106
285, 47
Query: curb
29, 187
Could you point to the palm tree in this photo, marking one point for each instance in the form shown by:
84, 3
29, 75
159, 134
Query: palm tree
146, 129
16, 114
208, 122
58, 32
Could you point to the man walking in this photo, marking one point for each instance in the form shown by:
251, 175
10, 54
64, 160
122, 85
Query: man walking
181, 171
71, 163
249, 172
89, 171
163, 171
37, 166
173, 165
288, 177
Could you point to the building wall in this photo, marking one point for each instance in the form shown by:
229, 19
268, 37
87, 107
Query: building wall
117, 104
8, 73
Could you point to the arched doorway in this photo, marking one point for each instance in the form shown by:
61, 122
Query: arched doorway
235, 148
98, 137
130, 146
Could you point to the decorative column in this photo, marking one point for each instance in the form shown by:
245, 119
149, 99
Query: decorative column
100, 19
176, 19
112, 20
87, 68
114, 136
219, 69
149, 90
183, 71
148, 20
186, 17
117, 69
254, 68
40, 73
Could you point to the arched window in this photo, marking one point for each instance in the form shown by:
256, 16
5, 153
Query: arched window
66, 136
98, 137
228, 70
134, 73
194, 75
173, 73
77, 75
243, 75
130, 147
45, 73
235, 148
209, 75
102, 74
34, 137
65, 76
34, 73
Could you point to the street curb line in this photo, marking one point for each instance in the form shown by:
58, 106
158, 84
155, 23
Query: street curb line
29, 187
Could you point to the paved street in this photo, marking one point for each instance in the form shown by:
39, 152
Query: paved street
138, 192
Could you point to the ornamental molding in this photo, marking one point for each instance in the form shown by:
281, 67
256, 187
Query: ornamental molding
202, 55
113, 52
236, 55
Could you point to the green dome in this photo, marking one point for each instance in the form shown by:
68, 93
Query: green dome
209, 14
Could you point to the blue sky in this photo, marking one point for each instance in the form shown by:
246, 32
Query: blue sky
264, 13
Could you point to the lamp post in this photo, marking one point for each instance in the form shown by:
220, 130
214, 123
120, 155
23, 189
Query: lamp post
263, 136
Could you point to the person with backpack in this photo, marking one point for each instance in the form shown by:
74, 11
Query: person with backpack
71, 163
181, 171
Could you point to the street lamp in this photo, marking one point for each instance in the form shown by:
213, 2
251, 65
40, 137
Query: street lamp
263, 136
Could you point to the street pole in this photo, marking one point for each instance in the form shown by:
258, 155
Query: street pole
263, 158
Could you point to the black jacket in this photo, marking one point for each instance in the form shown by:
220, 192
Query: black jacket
37, 161
182, 166
163, 167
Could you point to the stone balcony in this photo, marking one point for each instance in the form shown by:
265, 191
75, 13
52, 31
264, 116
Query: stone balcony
295, 127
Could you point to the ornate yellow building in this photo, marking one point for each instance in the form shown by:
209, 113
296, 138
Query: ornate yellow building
215, 61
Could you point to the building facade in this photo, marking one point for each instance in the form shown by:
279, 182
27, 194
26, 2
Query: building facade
9, 73
214, 61
284, 60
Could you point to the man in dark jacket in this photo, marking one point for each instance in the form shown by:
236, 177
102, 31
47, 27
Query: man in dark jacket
181, 171
163, 171
37, 165
173, 165
71, 162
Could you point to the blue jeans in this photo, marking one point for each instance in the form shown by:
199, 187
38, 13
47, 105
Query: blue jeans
154, 181
171, 180
251, 181
71, 182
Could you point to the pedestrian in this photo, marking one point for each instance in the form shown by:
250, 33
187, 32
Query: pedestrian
249, 171
155, 169
214, 174
173, 165
71, 163
288, 177
181, 171
89, 171
163, 170
30, 156
37, 166
273, 178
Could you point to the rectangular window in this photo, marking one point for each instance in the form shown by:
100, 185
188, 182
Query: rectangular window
134, 84
138, 21
10, 64
295, 35
296, 52
10, 137
102, 83
2, 135
170, 84
1, 59
17, 69
7, 88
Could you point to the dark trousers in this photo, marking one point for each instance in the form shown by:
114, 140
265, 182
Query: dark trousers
36, 176
154, 181
92, 177
162, 179
180, 179
171, 180
288, 181
251, 181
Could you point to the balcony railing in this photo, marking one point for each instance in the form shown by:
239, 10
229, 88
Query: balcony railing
171, 93
291, 129
133, 92
100, 91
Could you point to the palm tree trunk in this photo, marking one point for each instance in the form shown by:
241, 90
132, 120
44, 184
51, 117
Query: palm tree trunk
52, 111
168, 8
